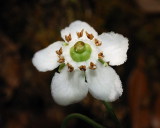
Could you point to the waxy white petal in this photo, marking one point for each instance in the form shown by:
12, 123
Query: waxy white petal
78, 26
68, 87
46, 59
114, 47
104, 83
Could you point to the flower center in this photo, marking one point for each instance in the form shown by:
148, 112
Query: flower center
80, 51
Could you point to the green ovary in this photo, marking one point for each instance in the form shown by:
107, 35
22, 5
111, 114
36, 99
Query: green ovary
80, 51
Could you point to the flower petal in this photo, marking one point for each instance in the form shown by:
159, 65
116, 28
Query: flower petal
46, 59
114, 47
68, 87
78, 26
103, 83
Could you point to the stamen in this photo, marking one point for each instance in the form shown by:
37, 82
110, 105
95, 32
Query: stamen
70, 67
59, 52
82, 68
90, 36
61, 66
80, 34
92, 66
103, 62
68, 38
100, 55
97, 42
61, 59
65, 44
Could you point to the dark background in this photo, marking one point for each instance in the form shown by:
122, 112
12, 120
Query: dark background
27, 26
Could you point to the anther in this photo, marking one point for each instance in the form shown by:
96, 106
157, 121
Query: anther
80, 34
90, 36
100, 55
59, 52
68, 38
82, 68
97, 42
61, 59
92, 66
70, 67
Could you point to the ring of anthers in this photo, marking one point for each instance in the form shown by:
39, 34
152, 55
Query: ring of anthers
68, 38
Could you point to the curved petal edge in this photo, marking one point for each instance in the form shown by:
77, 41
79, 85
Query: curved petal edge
114, 47
104, 83
46, 59
68, 87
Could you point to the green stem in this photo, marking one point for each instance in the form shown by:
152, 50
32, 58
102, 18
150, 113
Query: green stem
82, 117
113, 115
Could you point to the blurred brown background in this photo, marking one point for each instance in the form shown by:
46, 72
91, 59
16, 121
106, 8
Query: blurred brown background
27, 26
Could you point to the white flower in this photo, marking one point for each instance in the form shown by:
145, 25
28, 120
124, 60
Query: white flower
86, 56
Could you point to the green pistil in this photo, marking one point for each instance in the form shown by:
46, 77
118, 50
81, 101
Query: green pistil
80, 51
79, 47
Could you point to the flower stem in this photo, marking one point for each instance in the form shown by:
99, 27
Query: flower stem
82, 117
113, 115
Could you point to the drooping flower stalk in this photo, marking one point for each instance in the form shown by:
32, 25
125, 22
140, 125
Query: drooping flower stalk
112, 114
90, 121
82, 117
